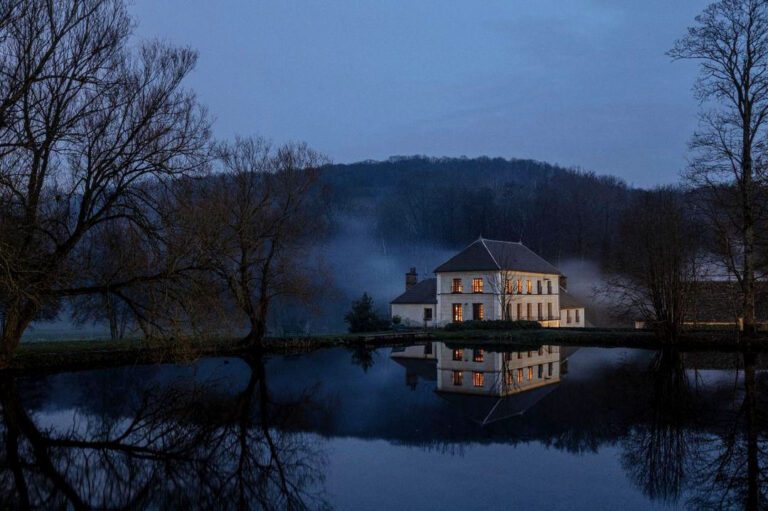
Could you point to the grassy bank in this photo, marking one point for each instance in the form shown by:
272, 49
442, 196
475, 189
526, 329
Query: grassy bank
70, 355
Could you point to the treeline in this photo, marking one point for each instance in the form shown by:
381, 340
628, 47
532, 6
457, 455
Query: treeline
560, 213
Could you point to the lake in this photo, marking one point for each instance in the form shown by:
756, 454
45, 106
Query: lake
432, 426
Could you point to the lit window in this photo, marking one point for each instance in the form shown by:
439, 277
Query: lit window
457, 286
509, 378
478, 355
477, 285
478, 312
530, 373
478, 379
427, 314
519, 286
509, 286
519, 376
458, 313
529, 286
458, 377
458, 354
568, 316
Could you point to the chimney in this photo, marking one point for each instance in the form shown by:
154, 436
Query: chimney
411, 279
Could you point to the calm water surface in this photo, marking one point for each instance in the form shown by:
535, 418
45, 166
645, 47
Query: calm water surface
426, 427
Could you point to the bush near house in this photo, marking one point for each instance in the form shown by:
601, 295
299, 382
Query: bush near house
363, 317
492, 325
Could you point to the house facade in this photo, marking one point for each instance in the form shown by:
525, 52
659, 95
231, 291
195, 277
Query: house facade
489, 280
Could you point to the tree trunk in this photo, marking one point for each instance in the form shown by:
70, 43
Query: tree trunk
17, 319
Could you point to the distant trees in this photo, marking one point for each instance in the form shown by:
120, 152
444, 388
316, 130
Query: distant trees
363, 317
657, 262
730, 40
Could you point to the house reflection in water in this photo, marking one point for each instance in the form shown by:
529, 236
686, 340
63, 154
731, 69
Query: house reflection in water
488, 385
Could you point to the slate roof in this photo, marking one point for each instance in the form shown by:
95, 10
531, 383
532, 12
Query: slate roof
490, 255
568, 301
423, 292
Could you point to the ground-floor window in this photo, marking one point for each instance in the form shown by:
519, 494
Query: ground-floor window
568, 316
528, 311
427, 313
519, 311
578, 319
478, 312
538, 310
478, 379
458, 313
458, 377
549, 311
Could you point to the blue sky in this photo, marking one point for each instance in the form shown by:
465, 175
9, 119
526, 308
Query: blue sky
579, 82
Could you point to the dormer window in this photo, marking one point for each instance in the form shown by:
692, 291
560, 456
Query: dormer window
477, 285
457, 286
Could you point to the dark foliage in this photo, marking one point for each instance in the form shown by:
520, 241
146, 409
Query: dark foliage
363, 317
492, 325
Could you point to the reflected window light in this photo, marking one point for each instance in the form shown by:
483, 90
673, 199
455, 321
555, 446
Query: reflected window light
478, 379
530, 373
478, 355
458, 377
458, 354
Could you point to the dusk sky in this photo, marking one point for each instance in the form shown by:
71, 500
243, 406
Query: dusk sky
579, 83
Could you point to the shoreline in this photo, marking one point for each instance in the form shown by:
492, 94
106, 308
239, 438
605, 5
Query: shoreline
77, 355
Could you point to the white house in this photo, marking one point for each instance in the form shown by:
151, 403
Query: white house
489, 280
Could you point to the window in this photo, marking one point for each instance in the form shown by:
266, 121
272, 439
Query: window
530, 373
509, 378
458, 313
519, 311
549, 311
538, 286
538, 309
528, 311
509, 311
541, 371
549, 369
549, 287
477, 285
529, 286
578, 319
478, 379
519, 286
458, 354
478, 312
541, 350
427, 314
478, 355
457, 286
509, 286
458, 377
428, 349
520, 375
519, 354
568, 316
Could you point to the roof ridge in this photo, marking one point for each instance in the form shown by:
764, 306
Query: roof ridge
505, 241
490, 253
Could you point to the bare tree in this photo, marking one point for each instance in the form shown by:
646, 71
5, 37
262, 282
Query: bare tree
90, 130
730, 40
253, 226
657, 262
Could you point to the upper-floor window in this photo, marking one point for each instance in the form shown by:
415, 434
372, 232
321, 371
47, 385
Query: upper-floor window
549, 287
477, 285
478, 379
529, 285
458, 313
509, 286
538, 286
478, 355
458, 354
519, 286
478, 312
457, 286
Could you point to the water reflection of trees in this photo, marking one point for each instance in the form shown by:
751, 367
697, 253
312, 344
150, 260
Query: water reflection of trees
710, 447
190, 446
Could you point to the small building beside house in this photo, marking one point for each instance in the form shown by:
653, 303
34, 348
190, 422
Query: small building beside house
489, 280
